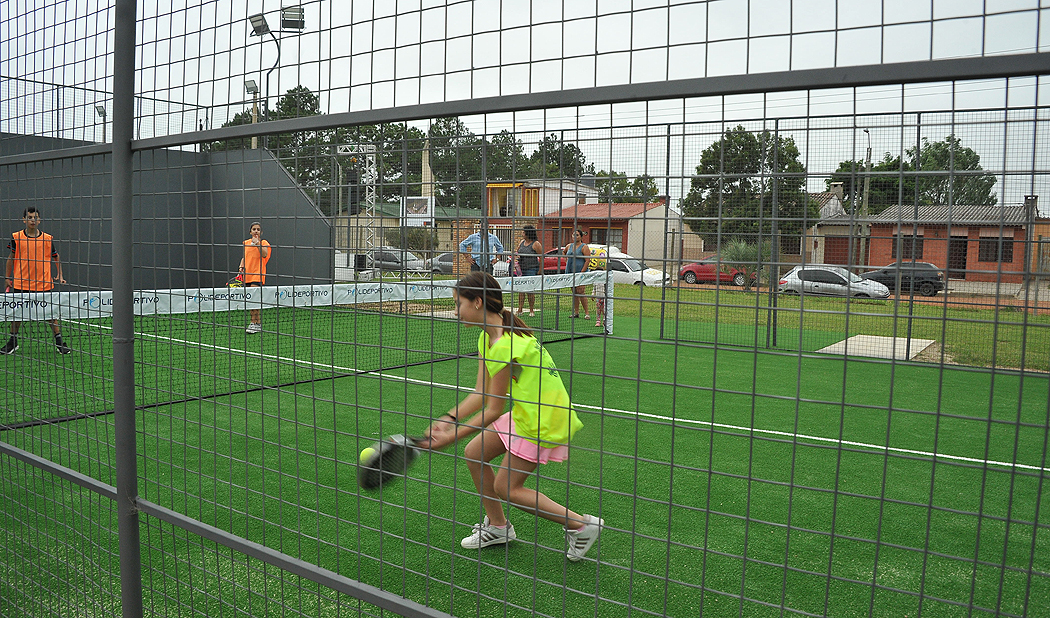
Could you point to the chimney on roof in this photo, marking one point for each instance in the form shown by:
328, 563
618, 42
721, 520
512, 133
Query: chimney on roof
1031, 205
836, 190
581, 198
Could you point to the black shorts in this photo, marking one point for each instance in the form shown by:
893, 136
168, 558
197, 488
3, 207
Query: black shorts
253, 284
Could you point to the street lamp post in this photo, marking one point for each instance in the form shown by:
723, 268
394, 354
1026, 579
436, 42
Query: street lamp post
293, 19
101, 111
864, 203
253, 89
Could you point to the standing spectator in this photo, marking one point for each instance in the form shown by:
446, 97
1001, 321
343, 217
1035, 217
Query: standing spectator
482, 257
529, 250
578, 256
253, 268
29, 270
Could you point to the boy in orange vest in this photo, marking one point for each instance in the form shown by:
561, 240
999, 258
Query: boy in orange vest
29, 270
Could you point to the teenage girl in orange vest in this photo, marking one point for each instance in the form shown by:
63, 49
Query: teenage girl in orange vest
253, 267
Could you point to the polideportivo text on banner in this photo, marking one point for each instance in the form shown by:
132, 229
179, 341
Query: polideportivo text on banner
42, 306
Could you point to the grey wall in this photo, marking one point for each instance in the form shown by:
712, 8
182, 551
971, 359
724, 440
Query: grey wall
192, 210
250, 185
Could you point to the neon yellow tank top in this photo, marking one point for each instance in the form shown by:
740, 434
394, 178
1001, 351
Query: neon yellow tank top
542, 411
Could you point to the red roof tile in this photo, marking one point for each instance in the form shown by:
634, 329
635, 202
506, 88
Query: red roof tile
603, 211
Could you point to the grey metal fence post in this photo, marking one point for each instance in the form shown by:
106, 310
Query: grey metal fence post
125, 457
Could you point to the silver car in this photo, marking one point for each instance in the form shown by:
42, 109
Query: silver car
829, 280
390, 258
444, 264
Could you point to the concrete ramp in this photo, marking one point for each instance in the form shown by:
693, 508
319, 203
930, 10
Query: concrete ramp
879, 347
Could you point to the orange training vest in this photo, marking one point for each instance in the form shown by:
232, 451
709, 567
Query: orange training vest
254, 265
32, 262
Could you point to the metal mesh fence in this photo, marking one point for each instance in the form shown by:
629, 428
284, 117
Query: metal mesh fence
808, 349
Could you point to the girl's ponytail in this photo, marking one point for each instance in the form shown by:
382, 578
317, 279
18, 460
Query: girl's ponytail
516, 324
482, 285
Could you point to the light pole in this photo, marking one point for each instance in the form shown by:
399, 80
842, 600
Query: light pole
101, 111
293, 19
864, 203
253, 89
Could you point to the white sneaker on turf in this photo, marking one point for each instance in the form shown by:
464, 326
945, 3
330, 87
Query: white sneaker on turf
485, 534
580, 541
253, 328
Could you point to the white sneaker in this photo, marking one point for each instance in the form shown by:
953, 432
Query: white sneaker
253, 328
580, 541
485, 535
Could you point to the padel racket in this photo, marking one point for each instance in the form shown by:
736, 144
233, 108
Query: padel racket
391, 460
236, 282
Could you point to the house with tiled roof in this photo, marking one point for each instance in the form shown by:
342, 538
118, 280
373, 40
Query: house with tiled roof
971, 242
835, 233
637, 229
556, 207
975, 243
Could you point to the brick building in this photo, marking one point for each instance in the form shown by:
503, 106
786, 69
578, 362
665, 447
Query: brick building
975, 243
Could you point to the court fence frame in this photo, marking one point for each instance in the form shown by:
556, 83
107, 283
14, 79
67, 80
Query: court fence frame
130, 506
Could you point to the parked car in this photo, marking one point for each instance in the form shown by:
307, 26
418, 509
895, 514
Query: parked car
921, 277
390, 258
708, 271
554, 261
443, 264
829, 281
627, 269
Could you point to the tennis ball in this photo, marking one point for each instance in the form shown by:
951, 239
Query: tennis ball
367, 453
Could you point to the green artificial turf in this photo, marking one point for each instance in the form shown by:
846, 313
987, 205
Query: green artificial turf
731, 481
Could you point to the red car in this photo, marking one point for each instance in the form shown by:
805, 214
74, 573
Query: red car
554, 261
708, 271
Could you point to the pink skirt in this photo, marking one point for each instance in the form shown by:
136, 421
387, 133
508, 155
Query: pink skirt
530, 451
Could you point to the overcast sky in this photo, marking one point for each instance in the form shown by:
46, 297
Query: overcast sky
365, 54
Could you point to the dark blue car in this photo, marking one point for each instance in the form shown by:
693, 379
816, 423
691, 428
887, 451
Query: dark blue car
919, 277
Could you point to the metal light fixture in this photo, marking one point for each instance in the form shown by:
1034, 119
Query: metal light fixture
251, 86
259, 25
293, 18
101, 111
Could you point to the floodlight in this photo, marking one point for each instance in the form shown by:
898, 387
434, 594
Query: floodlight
293, 18
100, 110
259, 25
251, 86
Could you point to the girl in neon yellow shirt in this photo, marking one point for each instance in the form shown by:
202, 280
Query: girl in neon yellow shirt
512, 366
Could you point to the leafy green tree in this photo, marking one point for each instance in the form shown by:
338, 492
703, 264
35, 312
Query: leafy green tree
554, 158
745, 257
399, 158
732, 194
416, 238
972, 190
505, 158
305, 154
456, 156
455, 160
894, 179
885, 185
617, 187
238, 119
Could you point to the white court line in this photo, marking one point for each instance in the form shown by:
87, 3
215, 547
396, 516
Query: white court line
794, 436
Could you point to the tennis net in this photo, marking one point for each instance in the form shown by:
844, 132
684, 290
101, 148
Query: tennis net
192, 343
